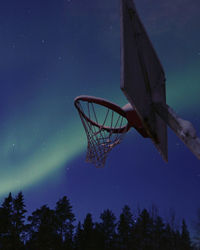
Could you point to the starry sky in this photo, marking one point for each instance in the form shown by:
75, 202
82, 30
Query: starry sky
51, 53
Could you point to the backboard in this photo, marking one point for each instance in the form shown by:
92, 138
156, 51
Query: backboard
142, 75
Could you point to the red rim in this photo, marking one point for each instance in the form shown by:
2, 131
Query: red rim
105, 103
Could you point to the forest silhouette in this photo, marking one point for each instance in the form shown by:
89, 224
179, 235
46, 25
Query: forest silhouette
52, 229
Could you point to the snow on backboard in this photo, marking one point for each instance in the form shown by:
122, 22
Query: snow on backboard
142, 76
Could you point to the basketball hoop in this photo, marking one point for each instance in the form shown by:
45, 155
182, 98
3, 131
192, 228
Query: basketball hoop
105, 125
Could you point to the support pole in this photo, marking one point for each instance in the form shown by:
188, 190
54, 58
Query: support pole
182, 128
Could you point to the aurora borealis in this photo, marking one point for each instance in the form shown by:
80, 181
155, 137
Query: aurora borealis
51, 53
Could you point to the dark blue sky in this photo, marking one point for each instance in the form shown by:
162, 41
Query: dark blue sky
51, 53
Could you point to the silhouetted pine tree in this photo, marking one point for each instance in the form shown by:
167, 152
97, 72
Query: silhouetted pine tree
107, 228
98, 237
144, 231
167, 240
6, 226
185, 237
18, 220
43, 234
78, 237
64, 222
125, 229
158, 233
88, 240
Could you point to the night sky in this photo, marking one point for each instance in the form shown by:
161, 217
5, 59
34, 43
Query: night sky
51, 52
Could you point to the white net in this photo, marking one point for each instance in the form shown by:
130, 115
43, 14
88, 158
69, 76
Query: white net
104, 128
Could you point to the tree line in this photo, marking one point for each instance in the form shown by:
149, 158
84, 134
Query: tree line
52, 229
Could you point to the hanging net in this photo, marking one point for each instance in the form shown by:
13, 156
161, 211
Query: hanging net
105, 125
